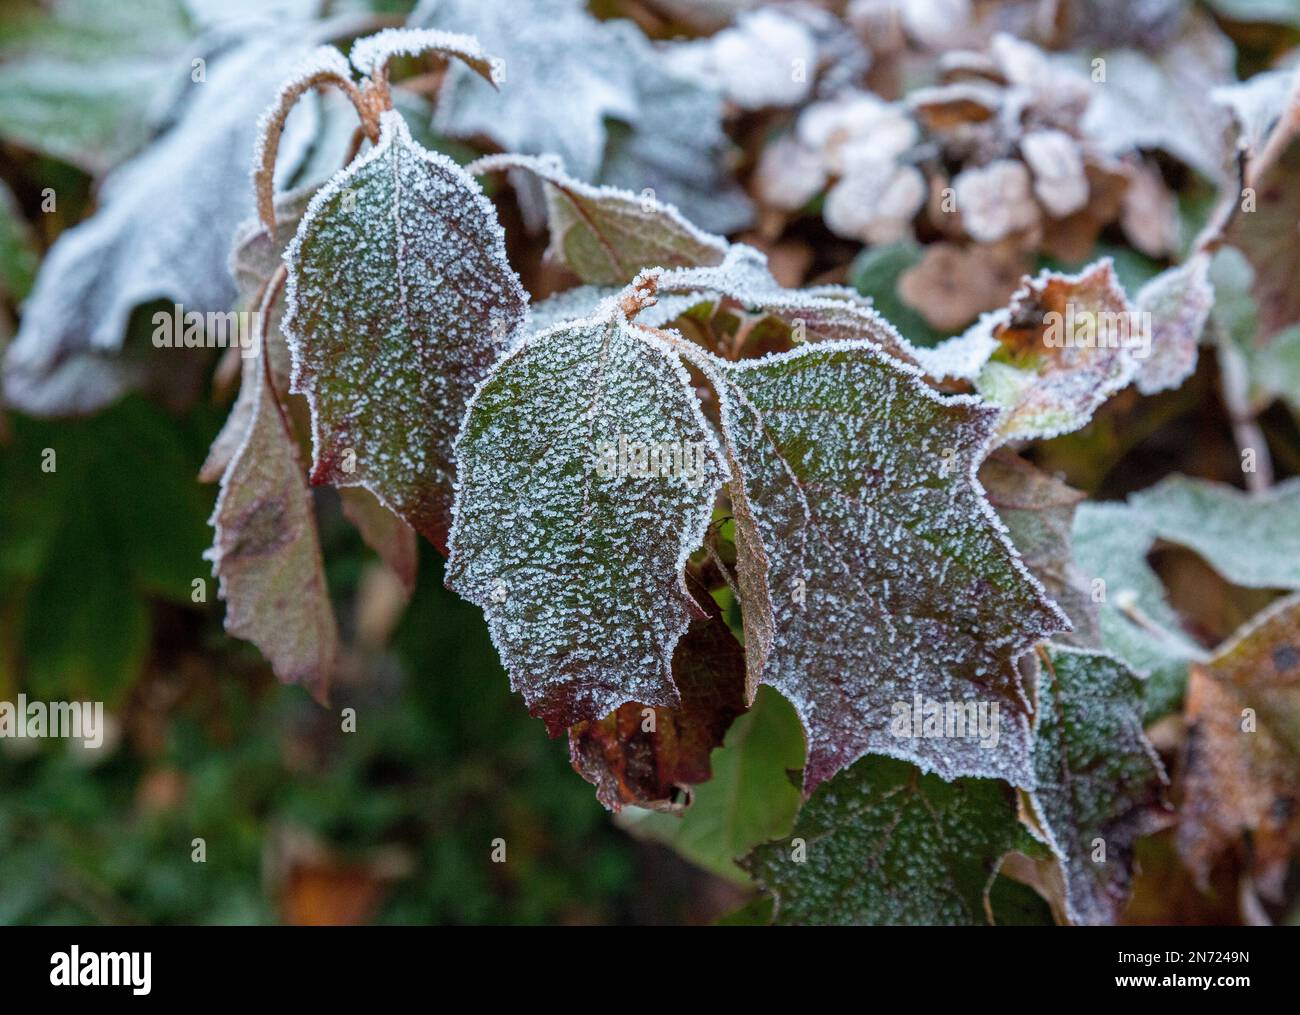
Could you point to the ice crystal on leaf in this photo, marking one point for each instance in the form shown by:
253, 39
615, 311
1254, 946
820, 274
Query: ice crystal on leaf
855, 498
1097, 777
576, 559
607, 235
886, 844
400, 298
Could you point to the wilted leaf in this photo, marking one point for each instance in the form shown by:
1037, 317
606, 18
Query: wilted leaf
1241, 769
573, 550
1038, 511
752, 797
886, 844
872, 571
400, 298
267, 555
1061, 351
629, 763
1100, 784
606, 235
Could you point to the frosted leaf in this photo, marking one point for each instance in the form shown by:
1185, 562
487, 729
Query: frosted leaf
1098, 777
875, 203
630, 765
1162, 100
385, 533
1252, 540
127, 254
1258, 104
1057, 163
266, 553
950, 107
400, 298
370, 55
995, 200
254, 257
1179, 301
1111, 543
1066, 343
828, 313
853, 124
559, 79
855, 501
1038, 511
676, 147
1239, 782
951, 285
606, 235
575, 555
886, 844
88, 82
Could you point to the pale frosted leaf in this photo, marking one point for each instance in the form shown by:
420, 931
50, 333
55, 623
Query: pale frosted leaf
89, 82
266, 553
1057, 163
559, 79
1100, 783
1179, 301
755, 61
400, 298
1251, 539
996, 200
385, 533
1066, 343
886, 844
856, 502
1111, 543
606, 235
576, 557
128, 253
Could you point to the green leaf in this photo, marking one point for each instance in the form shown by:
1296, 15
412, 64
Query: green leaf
752, 797
872, 571
400, 298
19, 256
1251, 539
884, 844
1100, 783
572, 547
606, 235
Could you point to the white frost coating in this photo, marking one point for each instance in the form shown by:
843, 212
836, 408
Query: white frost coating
371, 55
855, 486
606, 234
1179, 301
755, 61
581, 577
825, 313
128, 253
962, 356
399, 298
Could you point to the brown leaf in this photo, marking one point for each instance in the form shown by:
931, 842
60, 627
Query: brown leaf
1241, 768
629, 763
